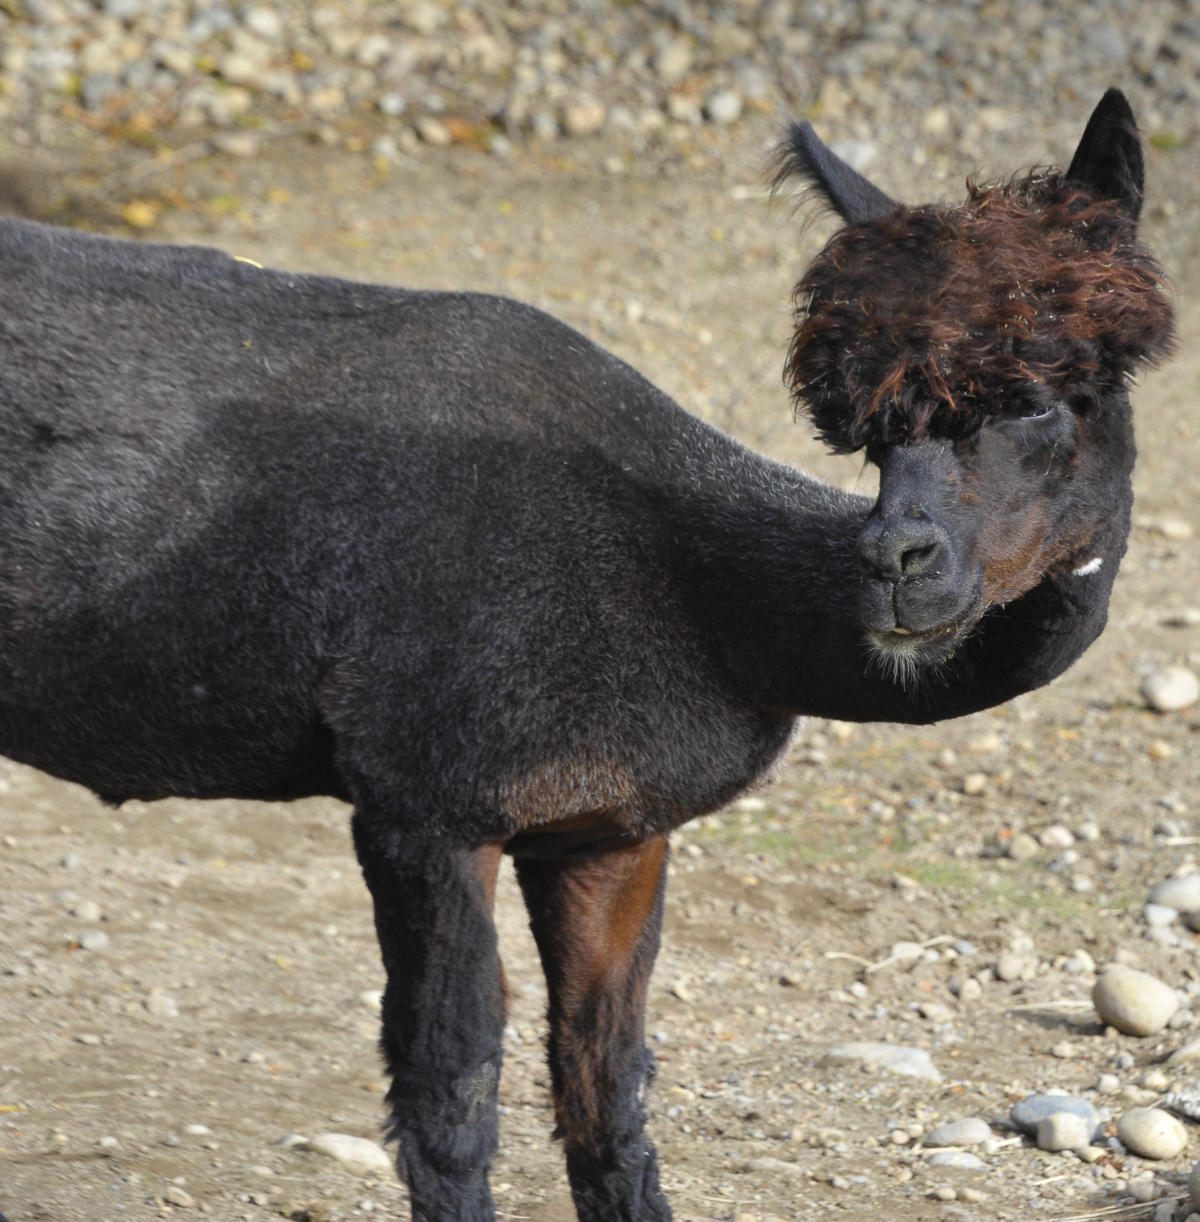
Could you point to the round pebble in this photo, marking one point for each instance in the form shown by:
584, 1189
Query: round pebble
1178, 530
434, 132
583, 116
1189, 1051
1171, 689
723, 106
357, 1153
969, 990
970, 1131
1010, 966
1134, 1002
1181, 893
974, 783
911, 1062
1154, 1078
674, 61
963, 1159
1080, 963
1158, 915
1057, 836
161, 1005
1151, 1132
95, 940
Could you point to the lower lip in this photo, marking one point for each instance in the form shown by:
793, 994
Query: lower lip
906, 636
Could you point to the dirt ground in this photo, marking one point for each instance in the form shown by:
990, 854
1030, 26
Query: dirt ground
230, 1004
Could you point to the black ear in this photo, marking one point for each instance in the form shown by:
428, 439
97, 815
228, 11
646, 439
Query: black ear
1108, 161
846, 191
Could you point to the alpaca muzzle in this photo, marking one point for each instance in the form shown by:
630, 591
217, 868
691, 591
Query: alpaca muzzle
916, 586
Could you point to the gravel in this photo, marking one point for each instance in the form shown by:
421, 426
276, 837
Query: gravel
486, 74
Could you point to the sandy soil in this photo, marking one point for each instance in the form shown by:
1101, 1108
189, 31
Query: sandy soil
230, 993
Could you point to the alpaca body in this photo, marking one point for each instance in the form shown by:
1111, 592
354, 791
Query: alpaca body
265, 536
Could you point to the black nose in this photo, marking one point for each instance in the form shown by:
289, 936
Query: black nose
897, 547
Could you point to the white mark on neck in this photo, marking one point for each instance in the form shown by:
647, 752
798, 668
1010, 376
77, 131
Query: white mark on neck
1092, 566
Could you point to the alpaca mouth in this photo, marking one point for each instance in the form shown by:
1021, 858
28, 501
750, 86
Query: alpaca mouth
905, 638
906, 657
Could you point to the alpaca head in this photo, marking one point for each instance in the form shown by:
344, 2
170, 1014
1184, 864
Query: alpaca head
980, 354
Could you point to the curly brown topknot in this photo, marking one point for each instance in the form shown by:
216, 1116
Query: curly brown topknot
930, 320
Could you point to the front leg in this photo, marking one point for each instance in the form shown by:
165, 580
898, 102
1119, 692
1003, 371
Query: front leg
443, 1013
596, 920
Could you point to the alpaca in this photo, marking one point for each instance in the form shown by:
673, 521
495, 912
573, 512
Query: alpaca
269, 535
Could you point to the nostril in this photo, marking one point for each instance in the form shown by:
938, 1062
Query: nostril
917, 560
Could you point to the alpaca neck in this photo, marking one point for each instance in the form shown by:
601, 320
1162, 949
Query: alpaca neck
776, 587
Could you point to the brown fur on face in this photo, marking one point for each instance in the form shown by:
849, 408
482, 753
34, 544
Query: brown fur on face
931, 319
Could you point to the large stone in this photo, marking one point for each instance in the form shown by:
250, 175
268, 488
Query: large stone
1134, 1002
1151, 1133
1029, 1112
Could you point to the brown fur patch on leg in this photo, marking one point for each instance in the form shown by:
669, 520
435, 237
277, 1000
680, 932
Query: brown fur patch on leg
597, 922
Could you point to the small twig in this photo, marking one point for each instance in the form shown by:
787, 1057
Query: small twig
1136, 1209
938, 941
1062, 1003
873, 965
841, 954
